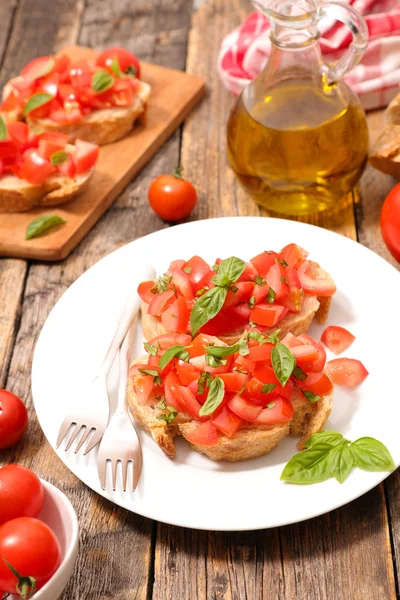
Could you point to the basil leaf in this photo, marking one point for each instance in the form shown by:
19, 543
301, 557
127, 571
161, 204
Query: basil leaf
41, 225
215, 396
282, 262
271, 405
161, 284
271, 296
260, 281
150, 349
161, 405
255, 335
311, 397
268, 387
115, 68
169, 355
206, 307
327, 437
252, 301
102, 81
283, 363
36, 101
3, 129
221, 351
187, 270
342, 461
309, 466
152, 373
371, 455
229, 271
243, 348
298, 373
58, 158
273, 338
204, 381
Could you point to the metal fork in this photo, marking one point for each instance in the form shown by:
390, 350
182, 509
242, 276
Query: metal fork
93, 412
120, 442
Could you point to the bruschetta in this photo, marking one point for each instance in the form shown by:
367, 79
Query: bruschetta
41, 170
230, 402
96, 102
273, 290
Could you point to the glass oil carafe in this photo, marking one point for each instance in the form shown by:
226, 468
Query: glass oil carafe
297, 136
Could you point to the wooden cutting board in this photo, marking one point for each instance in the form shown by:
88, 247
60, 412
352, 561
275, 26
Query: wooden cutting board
173, 95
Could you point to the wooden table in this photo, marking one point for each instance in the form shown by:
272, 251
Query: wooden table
350, 553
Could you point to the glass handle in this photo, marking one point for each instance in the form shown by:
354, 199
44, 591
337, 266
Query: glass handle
350, 17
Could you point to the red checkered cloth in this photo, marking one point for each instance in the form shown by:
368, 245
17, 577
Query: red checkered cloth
375, 79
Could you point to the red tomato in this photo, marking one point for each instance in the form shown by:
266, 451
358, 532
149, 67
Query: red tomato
244, 364
390, 222
10, 102
189, 401
85, 156
319, 363
227, 422
293, 301
225, 321
143, 385
280, 412
171, 197
19, 132
21, 493
176, 264
165, 341
200, 342
55, 137
293, 254
243, 409
35, 169
314, 286
317, 383
346, 371
263, 262
260, 352
197, 269
13, 419
176, 317
38, 67
260, 292
205, 434
8, 148
183, 284
193, 387
266, 374
274, 278
172, 397
200, 363
254, 394
267, 314
290, 341
46, 148
160, 302
305, 356
186, 372
68, 168
249, 273
144, 291
244, 291
31, 547
337, 339
233, 381
128, 62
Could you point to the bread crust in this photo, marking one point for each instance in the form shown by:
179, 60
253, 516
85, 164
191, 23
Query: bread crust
247, 443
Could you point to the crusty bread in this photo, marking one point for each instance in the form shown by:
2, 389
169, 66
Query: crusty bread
18, 195
385, 153
250, 442
99, 127
295, 323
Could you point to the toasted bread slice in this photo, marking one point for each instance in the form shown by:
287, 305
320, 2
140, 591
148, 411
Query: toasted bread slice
99, 127
18, 195
308, 418
295, 323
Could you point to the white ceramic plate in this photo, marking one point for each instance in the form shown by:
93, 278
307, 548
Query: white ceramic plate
191, 490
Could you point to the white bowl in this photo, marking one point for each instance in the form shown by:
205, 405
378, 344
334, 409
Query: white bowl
59, 515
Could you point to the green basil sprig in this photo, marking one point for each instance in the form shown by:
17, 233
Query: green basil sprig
173, 352
36, 101
3, 129
152, 350
209, 305
59, 158
102, 81
215, 396
41, 225
328, 454
283, 363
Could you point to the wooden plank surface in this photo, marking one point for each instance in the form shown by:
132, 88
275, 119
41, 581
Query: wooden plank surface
344, 555
173, 95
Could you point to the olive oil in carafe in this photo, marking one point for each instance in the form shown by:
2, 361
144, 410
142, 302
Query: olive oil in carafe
297, 149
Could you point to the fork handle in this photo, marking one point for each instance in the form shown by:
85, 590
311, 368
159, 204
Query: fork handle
129, 312
124, 361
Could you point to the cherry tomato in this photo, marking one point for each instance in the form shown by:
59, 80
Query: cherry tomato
31, 547
13, 419
171, 197
346, 371
21, 493
337, 339
390, 222
128, 63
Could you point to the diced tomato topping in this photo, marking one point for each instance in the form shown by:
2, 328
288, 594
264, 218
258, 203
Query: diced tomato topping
8, 148
268, 314
186, 372
176, 264
233, 381
38, 67
68, 168
293, 254
160, 302
143, 384
199, 362
276, 280
280, 411
227, 422
266, 374
305, 356
189, 401
11, 102
200, 342
165, 341
337, 339
196, 268
263, 262
242, 292
19, 132
243, 409
244, 364
291, 340
35, 169
46, 148
314, 286
205, 434
172, 397
254, 393
144, 291
176, 317
249, 273
346, 371
319, 363
317, 383
260, 292
86, 156
183, 284
260, 352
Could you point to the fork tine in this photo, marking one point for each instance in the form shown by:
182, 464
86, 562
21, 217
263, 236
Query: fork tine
114, 465
84, 438
94, 441
124, 465
66, 424
137, 468
74, 435
102, 471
